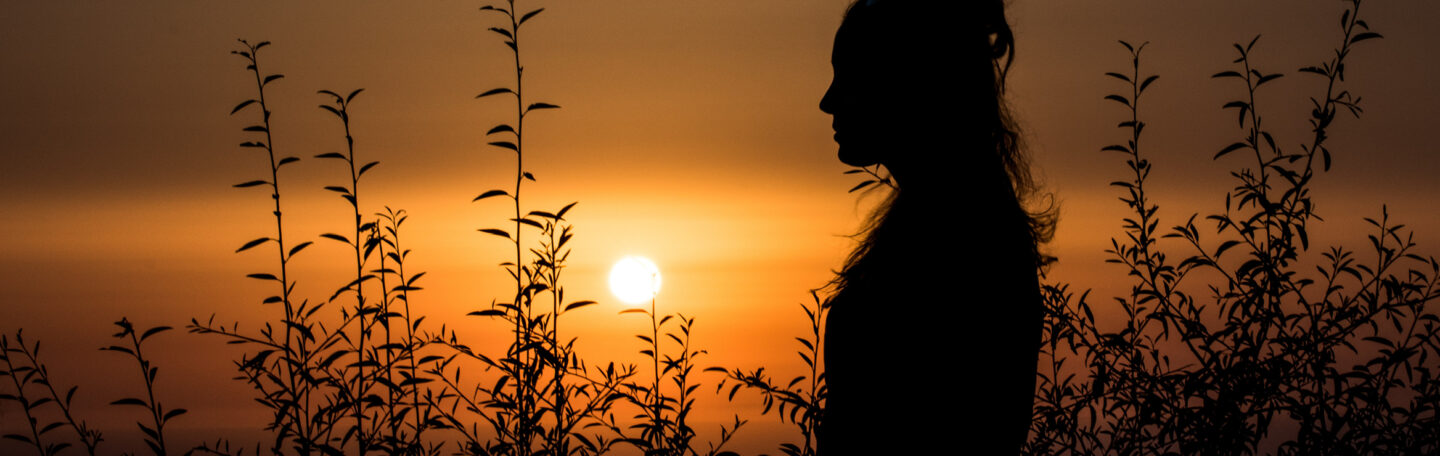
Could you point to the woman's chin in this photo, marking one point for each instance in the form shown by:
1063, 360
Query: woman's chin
852, 157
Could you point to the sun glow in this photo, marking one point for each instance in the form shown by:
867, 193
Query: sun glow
635, 280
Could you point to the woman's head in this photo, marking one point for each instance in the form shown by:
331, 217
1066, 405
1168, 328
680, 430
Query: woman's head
909, 73
919, 88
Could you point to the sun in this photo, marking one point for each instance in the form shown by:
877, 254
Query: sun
634, 279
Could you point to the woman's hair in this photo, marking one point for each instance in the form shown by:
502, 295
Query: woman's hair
942, 29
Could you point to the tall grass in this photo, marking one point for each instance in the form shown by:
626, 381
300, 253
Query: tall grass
667, 401
286, 370
544, 396
800, 401
353, 381
154, 430
358, 384
26, 372
319, 401
1274, 358
407, 421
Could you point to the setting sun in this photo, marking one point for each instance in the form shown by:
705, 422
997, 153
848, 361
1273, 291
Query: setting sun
634, 279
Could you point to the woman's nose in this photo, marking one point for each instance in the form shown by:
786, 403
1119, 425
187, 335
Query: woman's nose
827, 102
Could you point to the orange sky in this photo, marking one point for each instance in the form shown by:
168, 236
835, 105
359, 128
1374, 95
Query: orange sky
689, 134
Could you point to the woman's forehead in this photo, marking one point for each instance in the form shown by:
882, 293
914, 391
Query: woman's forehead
862, 40
852, 37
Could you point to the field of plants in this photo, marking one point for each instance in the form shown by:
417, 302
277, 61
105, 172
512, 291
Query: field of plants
1237, 334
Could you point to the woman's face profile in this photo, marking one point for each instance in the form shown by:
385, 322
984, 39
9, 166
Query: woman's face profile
903, 86
856, 100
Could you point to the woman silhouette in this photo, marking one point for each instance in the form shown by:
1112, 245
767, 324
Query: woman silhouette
935, 322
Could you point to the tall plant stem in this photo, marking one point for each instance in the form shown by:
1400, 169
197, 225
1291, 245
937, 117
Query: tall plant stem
90, 438
562, 357
147, 373
659, 435
293, 354
522, 299
1322, 119
25, 402
360, 438
395, 218
396, 392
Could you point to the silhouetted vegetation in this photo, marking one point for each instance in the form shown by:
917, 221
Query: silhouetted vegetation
1264, 355
154, 430
801, 401
541, 396
297, 368
27, 373
1245, 343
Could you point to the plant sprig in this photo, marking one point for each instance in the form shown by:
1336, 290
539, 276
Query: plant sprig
159, 415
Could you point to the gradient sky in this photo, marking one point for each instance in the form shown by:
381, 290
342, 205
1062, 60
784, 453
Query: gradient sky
689, 134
